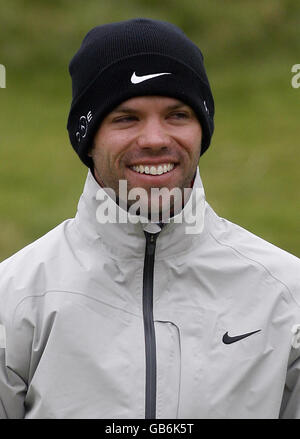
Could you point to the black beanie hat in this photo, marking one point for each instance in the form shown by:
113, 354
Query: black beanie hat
108, 67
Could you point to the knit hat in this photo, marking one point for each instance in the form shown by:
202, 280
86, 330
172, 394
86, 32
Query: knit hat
138, 57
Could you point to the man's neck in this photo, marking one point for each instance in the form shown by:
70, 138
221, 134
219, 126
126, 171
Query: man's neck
101, 183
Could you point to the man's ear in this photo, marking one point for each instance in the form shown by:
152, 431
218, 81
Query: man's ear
90, 151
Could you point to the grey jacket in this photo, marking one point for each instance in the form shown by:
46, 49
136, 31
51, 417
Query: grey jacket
129, 321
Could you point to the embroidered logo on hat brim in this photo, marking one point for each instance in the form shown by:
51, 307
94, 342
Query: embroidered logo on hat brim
137, 79
83, 126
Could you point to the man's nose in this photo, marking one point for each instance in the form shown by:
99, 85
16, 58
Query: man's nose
154, 135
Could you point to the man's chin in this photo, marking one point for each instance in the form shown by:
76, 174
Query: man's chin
157, 205
154, 212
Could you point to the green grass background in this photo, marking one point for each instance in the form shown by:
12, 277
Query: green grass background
250, 172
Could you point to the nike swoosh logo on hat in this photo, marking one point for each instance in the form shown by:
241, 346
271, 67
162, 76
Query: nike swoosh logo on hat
228, 340
137, 79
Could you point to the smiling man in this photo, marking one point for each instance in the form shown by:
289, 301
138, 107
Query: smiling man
142, 318
149, 142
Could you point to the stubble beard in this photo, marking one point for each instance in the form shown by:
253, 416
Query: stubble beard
154, 208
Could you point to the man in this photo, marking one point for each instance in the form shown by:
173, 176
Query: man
114, 314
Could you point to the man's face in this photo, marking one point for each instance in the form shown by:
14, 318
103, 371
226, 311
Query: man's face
146, 135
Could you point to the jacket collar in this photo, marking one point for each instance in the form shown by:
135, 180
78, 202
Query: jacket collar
127, 239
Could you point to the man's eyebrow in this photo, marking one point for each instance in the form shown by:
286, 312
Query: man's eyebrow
176, 106
124, 109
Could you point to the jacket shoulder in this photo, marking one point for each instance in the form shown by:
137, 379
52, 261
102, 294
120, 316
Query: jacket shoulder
276, 262
23, 272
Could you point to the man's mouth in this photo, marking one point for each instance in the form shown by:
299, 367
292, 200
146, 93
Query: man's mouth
159, 169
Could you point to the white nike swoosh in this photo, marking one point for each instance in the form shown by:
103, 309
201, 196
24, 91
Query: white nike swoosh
137, 79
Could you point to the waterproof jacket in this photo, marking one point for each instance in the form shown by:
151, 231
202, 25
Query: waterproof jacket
123, 320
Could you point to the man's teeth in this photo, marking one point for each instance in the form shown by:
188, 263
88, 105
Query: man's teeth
153, 170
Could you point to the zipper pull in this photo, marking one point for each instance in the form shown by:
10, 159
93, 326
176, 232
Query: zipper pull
150, 242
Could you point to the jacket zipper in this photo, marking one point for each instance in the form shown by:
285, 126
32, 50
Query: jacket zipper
150, 343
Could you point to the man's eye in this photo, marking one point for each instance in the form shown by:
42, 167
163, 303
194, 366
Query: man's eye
180, 115
124, 119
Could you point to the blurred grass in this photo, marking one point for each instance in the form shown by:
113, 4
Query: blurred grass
250, 172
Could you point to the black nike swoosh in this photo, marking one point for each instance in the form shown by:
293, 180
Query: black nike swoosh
228, 340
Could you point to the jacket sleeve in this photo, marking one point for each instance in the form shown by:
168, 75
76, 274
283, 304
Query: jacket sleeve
290, 407
13, 386
12, 391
